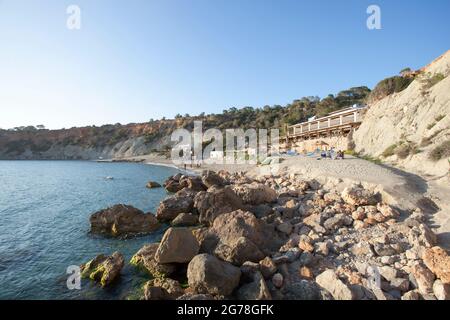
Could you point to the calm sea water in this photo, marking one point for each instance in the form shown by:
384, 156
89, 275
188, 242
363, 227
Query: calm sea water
44, 223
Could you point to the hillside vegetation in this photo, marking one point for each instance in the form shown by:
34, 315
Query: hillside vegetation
154, 135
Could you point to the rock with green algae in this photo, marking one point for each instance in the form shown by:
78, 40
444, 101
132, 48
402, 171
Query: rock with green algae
145, 258
103, 269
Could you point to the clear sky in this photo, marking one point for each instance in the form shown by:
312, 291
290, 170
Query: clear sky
136, 60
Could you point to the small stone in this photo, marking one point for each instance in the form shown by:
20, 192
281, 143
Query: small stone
324, 248
358, 225
362, 248
277, 280
411, 295
400, 284
285, 227
388, 273
387, 259
268, 267
305, 244
424, 278
330, 282
359, 214
384, 249
441, 290
306, 273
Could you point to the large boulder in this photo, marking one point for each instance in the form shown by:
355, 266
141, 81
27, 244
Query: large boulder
214, 202
103, 269
229, 227
121, 221
239, 251
207, 274
171, 207
358, 196
438, 261
330, 282
178, 245
255, 193
145, 258
153, 184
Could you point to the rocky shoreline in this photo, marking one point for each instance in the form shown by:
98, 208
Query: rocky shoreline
276, 237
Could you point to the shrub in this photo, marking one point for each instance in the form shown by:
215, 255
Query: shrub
390, 151
405, 149
389, 86
370, 158
439, 117
431, 80
441, 151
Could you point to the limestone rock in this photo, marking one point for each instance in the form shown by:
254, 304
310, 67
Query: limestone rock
153, 184
268, 267
330, 282
438, 261
185, 219
303, 290
216, 201
172, 287
155, 293
358, 196
277, 280
239, 251
171, 207
255, 290
121, 221
441, 290
233, 225
104, 269
424, 278
145, 258
192, 183
210, 178
255, 193
178, 245
207, 274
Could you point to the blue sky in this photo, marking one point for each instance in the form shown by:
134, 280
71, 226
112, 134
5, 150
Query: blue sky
136, 60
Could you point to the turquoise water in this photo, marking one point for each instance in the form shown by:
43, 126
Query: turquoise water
44, 223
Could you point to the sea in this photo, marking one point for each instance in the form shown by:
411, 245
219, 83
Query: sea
44, 225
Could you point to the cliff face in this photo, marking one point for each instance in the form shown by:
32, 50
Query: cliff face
87, 143
411, 128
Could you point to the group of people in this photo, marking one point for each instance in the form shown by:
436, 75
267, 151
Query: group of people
332, 154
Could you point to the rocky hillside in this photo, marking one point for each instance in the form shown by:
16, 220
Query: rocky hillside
411, 128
